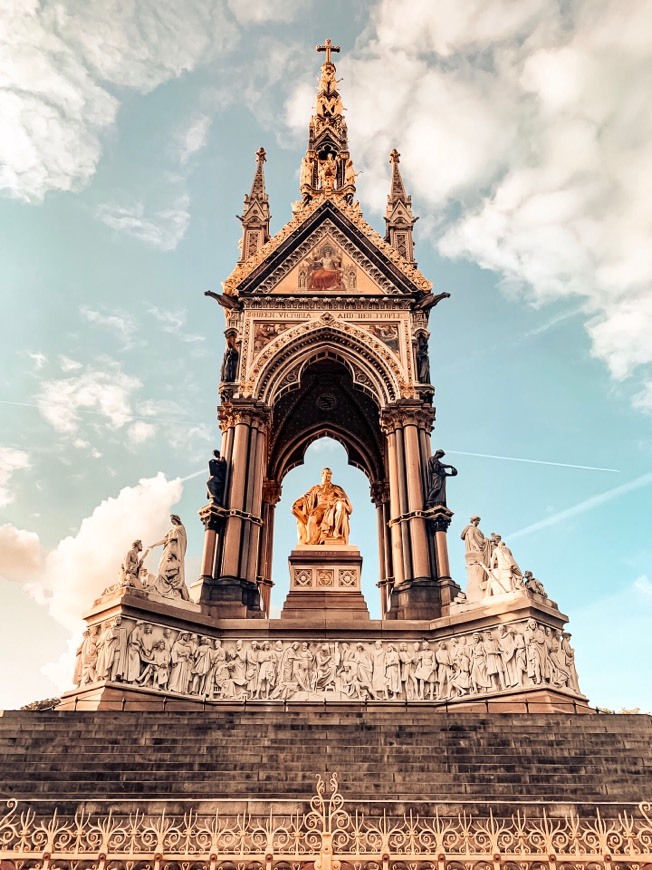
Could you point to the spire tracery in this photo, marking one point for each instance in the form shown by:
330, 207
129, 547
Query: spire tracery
327, 168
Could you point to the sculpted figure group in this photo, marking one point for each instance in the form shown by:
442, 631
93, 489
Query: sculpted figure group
491, 568
522, 654
170, 578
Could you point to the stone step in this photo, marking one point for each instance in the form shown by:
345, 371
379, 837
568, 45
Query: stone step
404, 756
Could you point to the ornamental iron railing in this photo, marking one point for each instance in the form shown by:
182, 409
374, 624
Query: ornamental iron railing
327, 837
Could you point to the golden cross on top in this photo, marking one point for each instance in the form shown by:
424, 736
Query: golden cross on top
327, 47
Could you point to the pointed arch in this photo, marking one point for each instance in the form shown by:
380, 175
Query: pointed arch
369, 362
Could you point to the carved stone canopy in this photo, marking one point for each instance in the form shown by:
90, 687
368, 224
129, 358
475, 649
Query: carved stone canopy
326, 403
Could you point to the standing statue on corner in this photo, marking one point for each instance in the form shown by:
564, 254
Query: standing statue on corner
217, 478
437, 474
230, 362
423, 360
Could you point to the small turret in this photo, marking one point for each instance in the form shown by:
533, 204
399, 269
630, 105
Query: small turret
399, 219
255, 217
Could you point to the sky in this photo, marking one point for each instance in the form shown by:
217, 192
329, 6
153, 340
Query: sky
128, 133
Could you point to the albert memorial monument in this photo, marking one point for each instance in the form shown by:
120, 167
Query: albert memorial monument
327, 328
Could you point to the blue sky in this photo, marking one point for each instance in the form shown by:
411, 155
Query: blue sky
127, 141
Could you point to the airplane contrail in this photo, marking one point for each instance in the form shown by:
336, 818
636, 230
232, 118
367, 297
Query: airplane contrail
535, 461
586, 505
194, 474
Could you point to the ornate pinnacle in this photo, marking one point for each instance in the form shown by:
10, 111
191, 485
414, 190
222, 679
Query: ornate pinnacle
397, 190
258, 186
255, 217
399, 219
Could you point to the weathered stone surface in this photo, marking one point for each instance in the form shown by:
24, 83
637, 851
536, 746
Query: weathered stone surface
399, 756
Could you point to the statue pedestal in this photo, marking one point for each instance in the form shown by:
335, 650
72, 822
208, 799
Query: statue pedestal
325, 583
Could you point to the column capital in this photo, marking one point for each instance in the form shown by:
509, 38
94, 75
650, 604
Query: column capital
438, 517
232, 412
407, 413
212, 517
379, 492
272, 490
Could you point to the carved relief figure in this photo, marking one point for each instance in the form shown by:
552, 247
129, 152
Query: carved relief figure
201, 666
87, 654
493, 661
112, 654
387, 333
323, 513
363, 668
324, 668
171, 576
534, 649
265, 332
181, 657
425, 672
461, 677
392, 672
437, 474
408, 680
444, 670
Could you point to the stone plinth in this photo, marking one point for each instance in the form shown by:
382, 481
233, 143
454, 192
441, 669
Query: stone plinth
325, 582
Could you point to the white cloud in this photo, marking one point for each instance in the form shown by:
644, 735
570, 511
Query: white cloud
119, 322
194, 138
70, 365
61, 59
261, 11
173, 322
11, 461
20, 553
140, 431
39, 359
163, 228
106, 392
643, 584
529, 125
141, 44
81, 566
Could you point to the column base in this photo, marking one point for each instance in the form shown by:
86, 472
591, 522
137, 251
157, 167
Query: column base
231, 598
416, 599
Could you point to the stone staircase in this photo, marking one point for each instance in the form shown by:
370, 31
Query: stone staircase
397, 756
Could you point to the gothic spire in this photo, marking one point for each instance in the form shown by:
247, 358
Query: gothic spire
327, 168
399, 219
255, 217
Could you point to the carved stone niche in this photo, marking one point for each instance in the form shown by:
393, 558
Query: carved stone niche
325, 583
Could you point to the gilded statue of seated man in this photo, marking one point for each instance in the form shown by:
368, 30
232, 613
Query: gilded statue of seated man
323, 513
